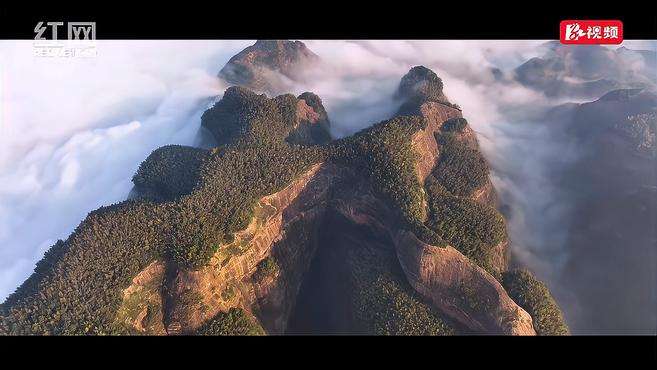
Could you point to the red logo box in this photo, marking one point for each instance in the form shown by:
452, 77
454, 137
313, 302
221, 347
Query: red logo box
588, 32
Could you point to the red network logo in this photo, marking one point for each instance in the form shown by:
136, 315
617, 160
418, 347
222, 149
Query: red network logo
591, 32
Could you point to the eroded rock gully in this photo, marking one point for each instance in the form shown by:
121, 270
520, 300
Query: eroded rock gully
291, 226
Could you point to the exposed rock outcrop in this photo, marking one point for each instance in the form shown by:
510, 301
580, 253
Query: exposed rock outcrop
283, 228
313, 125
141, 310
460, 288
425, 142
442, 275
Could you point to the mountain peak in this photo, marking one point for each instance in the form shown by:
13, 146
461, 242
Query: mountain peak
269, 65
418, 86
421, 82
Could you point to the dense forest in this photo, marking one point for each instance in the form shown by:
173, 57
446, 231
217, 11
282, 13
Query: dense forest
532, 295
384, 303
233, 322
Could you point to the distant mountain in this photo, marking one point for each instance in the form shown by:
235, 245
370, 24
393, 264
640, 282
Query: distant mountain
610, 113
587, 71
418, 86
269, 65
612, 187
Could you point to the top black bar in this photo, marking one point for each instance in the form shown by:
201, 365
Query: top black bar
323, 20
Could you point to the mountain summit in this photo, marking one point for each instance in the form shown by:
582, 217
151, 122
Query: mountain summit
269, 65
418, 86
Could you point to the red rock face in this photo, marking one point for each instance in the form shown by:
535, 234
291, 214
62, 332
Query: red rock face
459, 288
228, 280
442, 275
424, 142
312, 125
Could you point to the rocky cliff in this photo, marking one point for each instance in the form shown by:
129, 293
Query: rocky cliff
461, 289
283, 229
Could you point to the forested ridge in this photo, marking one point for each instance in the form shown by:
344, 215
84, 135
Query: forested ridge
76, 288
532, 295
